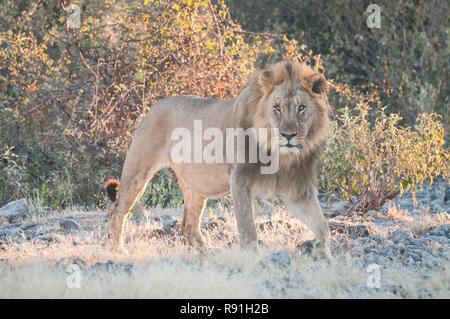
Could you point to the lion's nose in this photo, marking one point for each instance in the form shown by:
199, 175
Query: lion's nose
289, 136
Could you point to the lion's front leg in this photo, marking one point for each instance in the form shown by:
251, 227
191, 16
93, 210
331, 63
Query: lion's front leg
243, 207
310, 213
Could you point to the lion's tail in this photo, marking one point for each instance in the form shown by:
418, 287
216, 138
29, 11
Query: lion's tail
112, 189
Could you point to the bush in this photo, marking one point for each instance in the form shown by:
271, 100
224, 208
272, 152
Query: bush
13, 174
368, 161
71, 99
406, 59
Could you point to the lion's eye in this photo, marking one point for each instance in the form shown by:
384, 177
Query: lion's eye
300, 108
277, 108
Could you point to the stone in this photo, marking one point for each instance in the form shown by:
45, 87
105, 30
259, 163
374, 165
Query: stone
66, 261
397, 290
338, 207
169, 224
373, 214
11, 233
443, 240
447, 194
358, 250
315, 292
437, 232
374, 258
113, 266
361, 289
268, 284
307, 247
52, 236
399, 236
376, 237
414, 256
265, 226
70, 225
426, 276
441, 230
436, 208
280, 258
14, 211
213, 223
423, 293
234, 271
434, 196
290, 283
358, 230
388, 243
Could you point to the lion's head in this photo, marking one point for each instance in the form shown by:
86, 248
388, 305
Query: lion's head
289, 96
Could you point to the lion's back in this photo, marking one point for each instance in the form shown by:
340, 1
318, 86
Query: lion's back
183, 110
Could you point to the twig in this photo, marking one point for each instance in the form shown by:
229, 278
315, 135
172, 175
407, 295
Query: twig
217, 26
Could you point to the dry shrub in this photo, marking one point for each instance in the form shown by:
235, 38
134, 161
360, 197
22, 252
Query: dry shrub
368, 161
72, 98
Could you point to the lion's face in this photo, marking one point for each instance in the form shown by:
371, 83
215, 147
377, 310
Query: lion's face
292, 111
295, 105
289, 96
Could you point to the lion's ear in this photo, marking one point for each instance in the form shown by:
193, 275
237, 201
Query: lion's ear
266, 80
316, 83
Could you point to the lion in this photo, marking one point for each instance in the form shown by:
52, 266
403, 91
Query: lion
288, 96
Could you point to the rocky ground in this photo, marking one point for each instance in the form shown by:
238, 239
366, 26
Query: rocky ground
401, 251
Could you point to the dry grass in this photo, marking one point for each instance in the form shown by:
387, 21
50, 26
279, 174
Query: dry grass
419, 223
398, 214
228, 274
167, 267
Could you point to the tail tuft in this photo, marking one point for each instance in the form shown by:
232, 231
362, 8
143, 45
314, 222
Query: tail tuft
112, 189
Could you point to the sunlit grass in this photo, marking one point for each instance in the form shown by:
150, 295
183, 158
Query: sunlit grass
168, 267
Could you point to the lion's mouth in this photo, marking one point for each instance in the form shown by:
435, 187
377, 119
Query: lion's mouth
293, 146
290, 148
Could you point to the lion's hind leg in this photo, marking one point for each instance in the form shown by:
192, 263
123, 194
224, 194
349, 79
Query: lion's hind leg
137, 171
129, 193
194, 204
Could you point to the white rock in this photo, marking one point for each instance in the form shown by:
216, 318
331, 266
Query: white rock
281, 258
388, 243
339, 206
15, 210
315, 292
373, 213
70, 225
361, 289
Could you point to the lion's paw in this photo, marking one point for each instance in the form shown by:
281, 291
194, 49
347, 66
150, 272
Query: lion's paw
316, 250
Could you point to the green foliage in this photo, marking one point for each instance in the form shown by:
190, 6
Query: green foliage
165, 190
369, 161
406, 60
13, 175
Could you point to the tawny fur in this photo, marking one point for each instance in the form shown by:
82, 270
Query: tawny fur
287, 84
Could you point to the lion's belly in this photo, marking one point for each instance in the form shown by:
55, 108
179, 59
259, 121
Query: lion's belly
209, 180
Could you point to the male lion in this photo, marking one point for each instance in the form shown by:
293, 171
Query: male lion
289, 96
